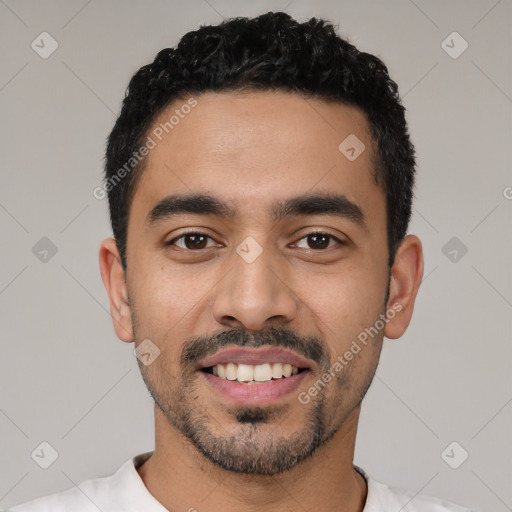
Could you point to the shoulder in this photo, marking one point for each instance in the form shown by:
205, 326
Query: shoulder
91, 495
80, 499
387, 497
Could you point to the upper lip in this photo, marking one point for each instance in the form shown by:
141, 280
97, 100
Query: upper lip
255, 357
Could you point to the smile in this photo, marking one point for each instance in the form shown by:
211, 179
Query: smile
253, 393
253, 373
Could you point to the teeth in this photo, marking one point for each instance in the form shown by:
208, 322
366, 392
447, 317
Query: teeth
245, 373
277, 370
262, 372
231, 371
258, 373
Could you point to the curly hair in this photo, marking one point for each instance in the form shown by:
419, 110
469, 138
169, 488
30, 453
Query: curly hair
266, 53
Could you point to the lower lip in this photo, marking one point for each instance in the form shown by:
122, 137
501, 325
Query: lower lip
255, 393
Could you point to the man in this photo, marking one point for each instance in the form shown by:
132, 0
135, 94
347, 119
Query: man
260, 179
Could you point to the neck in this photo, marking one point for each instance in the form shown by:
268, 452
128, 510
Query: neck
181, 478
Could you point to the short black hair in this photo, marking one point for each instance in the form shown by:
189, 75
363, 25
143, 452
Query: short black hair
271, 52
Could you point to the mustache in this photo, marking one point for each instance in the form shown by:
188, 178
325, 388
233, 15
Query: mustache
197, 348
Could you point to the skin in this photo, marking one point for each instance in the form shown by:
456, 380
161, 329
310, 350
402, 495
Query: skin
252, 149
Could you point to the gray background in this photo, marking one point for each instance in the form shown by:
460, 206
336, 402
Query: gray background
64, 376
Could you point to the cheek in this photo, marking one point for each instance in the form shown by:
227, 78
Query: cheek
167, 301
344, 302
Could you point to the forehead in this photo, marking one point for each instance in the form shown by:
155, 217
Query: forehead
257, 147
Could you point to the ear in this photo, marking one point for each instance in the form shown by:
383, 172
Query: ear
113, 277
407, 272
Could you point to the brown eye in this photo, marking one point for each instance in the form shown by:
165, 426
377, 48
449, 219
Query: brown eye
195, 241
320, 241
191, 241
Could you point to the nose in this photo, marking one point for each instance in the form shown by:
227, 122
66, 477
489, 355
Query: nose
253, 295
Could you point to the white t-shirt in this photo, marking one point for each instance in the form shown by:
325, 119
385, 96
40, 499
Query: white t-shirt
124, 491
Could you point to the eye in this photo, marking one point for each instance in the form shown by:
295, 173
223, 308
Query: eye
191, 241
319, 240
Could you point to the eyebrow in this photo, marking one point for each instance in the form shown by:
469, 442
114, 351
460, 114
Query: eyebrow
301, 206
318, 204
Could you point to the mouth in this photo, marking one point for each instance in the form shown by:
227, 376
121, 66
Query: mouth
254, 376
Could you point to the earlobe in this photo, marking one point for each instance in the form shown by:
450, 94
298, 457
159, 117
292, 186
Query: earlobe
113, 276
407, 273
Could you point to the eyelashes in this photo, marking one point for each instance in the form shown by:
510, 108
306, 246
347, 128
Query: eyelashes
189, 234
198, 236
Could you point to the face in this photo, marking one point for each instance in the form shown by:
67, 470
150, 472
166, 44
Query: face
284, 262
